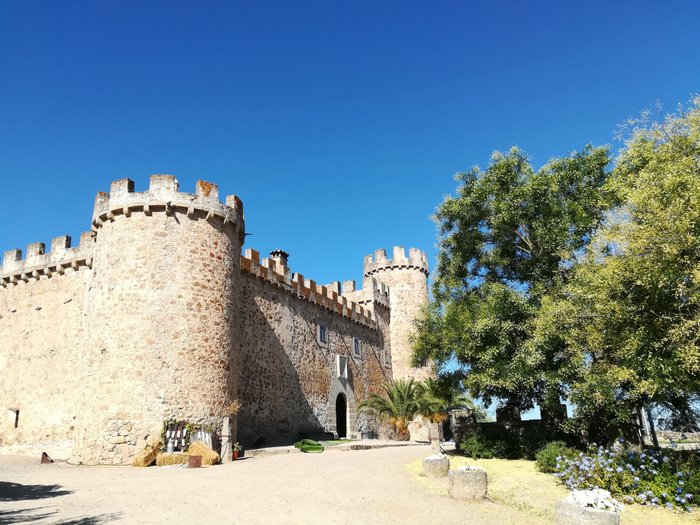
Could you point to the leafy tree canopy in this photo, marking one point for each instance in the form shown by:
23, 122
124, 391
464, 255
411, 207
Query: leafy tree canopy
507, 239
630, 314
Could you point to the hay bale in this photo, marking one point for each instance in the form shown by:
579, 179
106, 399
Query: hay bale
200, 448
178, 458
147, 456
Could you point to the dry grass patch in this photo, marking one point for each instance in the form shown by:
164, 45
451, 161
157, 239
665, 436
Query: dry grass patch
518, 485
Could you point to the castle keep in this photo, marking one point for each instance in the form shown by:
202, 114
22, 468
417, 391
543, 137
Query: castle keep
157, 314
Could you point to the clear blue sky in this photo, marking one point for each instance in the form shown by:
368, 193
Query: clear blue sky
339, 124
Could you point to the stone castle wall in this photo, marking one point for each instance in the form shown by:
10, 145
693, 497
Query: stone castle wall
42, 334
291, 381
156, 315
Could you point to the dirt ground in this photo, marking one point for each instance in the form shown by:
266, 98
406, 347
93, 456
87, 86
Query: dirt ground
336, 487
382, 486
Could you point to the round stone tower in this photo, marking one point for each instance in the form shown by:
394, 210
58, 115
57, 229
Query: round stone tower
407, 279
161, 316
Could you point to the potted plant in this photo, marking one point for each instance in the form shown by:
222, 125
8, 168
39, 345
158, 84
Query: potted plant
236, 450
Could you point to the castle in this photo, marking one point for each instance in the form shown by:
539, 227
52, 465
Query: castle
157, 314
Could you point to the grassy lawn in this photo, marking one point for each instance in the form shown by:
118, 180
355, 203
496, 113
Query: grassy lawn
517, 484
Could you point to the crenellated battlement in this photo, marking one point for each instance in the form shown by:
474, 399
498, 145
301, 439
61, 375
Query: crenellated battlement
279, 275
416, 260
163, 195
38, 262
372, 291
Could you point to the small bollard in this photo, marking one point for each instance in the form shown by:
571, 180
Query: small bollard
436, 466
468, 483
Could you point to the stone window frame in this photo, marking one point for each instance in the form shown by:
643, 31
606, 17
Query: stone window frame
322, 335
356, 347
386, 355
341, 366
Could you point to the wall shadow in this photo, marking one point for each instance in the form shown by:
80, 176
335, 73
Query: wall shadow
18, 492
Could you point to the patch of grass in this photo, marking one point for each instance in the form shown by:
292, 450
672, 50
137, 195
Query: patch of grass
517, 484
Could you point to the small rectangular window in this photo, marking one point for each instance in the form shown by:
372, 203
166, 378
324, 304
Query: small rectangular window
322, 334
357, 349
342, 366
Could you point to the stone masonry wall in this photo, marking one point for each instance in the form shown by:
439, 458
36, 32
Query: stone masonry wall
156, 315
286, 387
42, 335
161, 313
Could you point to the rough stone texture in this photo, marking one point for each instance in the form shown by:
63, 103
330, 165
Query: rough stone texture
436, 466
468, 483
293, 385
407, 279
569, 513
42, 335
156, 315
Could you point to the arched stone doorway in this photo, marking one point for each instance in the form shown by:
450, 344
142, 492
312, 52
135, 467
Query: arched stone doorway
341, 398
341, 416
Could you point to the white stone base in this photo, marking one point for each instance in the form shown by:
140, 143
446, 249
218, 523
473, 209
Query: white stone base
436, 466
468, 483
569, 513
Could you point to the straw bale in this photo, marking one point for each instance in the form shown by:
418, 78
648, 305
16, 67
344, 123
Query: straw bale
178, 458
147, 456
199, 448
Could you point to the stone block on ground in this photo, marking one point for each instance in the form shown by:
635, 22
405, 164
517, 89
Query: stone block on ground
436, 466
209, 456
468, 483
567, 512
178, 458
148, 455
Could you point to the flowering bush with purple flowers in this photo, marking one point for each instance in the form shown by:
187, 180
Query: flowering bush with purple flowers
664, 478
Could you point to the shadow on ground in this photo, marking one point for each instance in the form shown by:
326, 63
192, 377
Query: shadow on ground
40, 514
17, 491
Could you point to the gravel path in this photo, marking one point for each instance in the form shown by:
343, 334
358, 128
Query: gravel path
336, 487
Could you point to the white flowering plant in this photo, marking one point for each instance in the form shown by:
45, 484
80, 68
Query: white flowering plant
596, 498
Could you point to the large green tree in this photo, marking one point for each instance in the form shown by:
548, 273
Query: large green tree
630, 314
507, 240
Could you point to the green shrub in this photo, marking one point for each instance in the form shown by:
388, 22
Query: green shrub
478, 446
546, 458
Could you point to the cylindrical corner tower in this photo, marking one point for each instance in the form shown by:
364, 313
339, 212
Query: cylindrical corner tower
407, 279
161, 315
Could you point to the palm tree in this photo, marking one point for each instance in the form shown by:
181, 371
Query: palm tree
432, 401
399, 406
